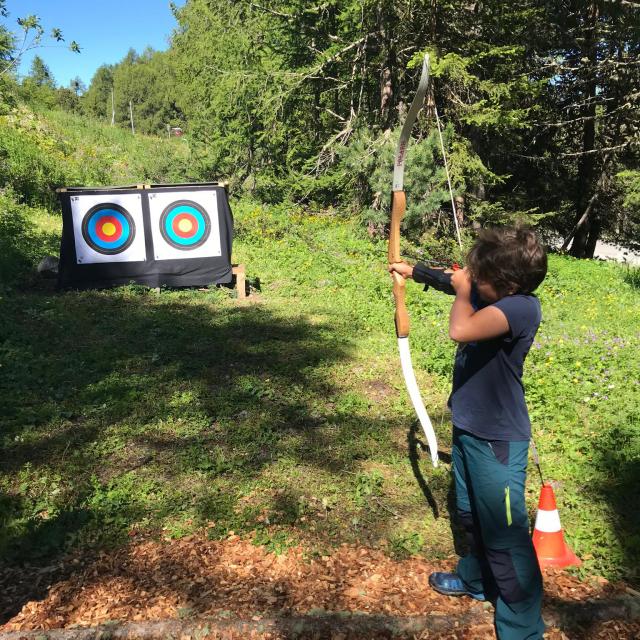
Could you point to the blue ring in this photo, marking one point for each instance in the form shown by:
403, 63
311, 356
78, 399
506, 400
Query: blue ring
91, 219
93, 223
202, 219
171, 216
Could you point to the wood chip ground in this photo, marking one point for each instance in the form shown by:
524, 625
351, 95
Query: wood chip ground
195, 579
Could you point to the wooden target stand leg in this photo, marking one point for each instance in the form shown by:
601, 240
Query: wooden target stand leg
239, 272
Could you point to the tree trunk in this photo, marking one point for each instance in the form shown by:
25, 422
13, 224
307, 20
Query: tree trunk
587, 162
594, 234
388, 82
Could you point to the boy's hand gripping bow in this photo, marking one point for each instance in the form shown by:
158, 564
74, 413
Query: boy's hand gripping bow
398, 206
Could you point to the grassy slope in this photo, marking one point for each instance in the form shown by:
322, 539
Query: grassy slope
40, 152
286, 418
51, 149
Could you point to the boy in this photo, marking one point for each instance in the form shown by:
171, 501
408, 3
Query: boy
494, 319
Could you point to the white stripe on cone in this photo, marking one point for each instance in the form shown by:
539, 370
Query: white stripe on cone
548, 521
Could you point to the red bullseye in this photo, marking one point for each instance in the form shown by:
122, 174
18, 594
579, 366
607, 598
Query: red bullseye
109, 229
185, 225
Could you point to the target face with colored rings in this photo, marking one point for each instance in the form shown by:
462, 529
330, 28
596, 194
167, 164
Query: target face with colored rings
108, 228
185, 225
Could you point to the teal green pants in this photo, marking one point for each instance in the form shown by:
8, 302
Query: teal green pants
490, 478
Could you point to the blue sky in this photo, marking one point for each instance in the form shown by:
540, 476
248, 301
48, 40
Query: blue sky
105, 31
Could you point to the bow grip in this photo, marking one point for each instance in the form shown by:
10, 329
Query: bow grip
402, 315
398, 206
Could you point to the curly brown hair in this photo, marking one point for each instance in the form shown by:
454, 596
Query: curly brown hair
512, 259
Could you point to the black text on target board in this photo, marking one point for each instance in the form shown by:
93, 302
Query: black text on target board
173, 235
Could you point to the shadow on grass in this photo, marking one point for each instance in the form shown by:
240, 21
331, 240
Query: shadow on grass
415, 445
618, 460
81, 365
122, 412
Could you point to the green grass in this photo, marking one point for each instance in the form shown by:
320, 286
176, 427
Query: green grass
40, 152
285, 418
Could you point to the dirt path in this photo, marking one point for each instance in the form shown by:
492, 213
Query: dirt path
606, 251
252, 593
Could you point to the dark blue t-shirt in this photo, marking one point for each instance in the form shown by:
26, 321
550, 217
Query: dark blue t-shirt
487, 398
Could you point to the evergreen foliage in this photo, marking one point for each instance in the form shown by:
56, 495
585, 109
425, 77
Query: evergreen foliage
40, 74
292, 101
146, 82
97, 99
285, 97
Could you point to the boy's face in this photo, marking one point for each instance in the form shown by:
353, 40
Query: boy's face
486, 291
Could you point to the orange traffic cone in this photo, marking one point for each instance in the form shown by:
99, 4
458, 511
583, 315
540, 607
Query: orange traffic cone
548, 539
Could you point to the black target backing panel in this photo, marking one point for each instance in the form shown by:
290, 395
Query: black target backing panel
173, 235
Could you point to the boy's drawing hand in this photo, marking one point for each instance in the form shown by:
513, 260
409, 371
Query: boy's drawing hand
461, 282
404, 269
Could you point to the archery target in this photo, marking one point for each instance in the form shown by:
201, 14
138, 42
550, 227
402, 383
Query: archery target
108, 231
185, 225
108, 228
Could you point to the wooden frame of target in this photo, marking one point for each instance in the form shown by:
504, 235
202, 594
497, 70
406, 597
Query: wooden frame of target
174, 235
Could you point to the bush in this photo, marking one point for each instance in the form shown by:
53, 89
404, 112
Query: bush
632, 276
42, 151
19, 243
31, 163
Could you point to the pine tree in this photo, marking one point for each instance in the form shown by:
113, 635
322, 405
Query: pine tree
40, 74
97, 99
593, 56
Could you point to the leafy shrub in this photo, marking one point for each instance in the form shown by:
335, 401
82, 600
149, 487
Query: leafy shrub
18, 239
42, 151
30, 162
632, 276
258, 223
